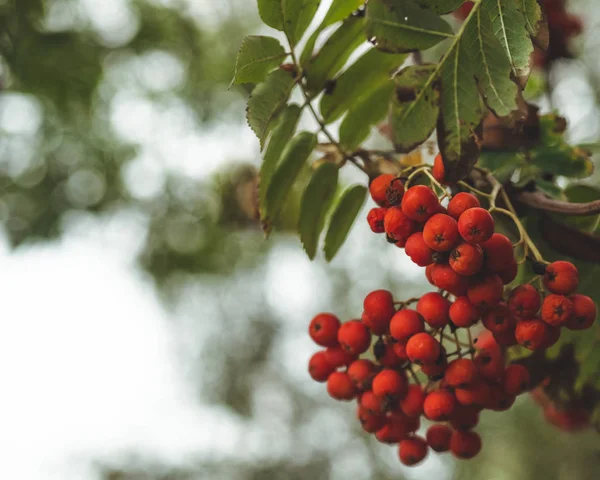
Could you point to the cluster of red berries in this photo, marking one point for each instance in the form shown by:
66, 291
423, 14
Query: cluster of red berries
406, 371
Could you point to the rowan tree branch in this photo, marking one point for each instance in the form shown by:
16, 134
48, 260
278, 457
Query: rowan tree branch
541, 202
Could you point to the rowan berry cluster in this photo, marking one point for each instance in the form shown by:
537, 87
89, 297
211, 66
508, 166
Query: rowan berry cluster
396, 361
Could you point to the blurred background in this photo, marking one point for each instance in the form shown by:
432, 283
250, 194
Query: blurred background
147, 329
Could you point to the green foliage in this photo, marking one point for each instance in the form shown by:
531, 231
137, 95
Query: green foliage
343, 218
532, 12
402, 26
289, 16
257, 57
440, 6
316, 201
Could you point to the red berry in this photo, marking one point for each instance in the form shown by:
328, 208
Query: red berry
386, 190
439, 171
465, 445
375, 218
524, 301
561, 277
463, 313
499, 319
396, 428
490, 364
386, 355
531, 333
551, 336
370, 423
438, 438
406, 323
397, 225
499, 400
466, 259
340, 387
570, 420
556, 310
509, 273
439, 405
486, 291
318, 367
429, 273
498, 251
434, 309
412, 403
475, 394
584, 312
412, 450
399, 350
506, 339
379, 308
422, 348
389, 384
476, 225
417, 250
354, 337
436, 369
464, 418
516, 379
460, 202
371, 403
441, 232
420, 203
446, 278
323, 329
338, 357
460, 372
361, 372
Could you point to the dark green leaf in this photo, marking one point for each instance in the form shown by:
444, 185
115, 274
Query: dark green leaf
289, 16
402, 26
258, 55
334, 53
343, 218
293, 159
368, 73
532, 12
440, 6
361, 117
316, 201
282, 133
550, 189
501, 163
414, 108
267, 100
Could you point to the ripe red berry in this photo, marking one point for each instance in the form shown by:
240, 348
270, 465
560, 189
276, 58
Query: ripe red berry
490, 364
412, 403
556, 310
463, 313
475, 394
340, 387
361, 372
506, 339
499, 400
446, 278
466, 259
568, 420
420, 203
460, 202
584, 312
551, 336
412, 450
389, 384
418, 251
561, 277
318, 367
370, 422
323, 329
422, 348
531, 333
393, 431
439, 405
354, 337
386, 190
486, 291
438, 438
385, 353
498, 251
524, 301
510, 272
429, 273
375, 218
406, 323
397, 225
439, 171
460, 373
371, 403
465, 444
434, 309
338, 357
476, 225
499, 319
436, 369
441, 232
464, 418
379, 309
399, 350
516, 379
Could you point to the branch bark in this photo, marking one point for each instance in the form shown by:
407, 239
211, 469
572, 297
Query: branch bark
540, 201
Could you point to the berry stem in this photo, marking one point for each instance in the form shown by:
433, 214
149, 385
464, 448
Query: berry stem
414, 375
474, 190
472, 349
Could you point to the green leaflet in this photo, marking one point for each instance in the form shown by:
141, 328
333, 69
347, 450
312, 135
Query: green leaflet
440, 6
343, 218
289, 16
532, 12
258, 55
402, 26
316, 201
266, 101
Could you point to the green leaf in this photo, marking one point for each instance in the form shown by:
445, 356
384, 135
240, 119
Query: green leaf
510, 29
551, 189
415, 108
266, 101
580, 193
368, 73
361, 117
334, 53
441, 7
282, 133
402, 26
343, 218
293, 159
289, 16
316, 201
258, 55
502, 164
532, 12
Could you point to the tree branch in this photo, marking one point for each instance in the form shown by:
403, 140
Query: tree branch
541, 202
